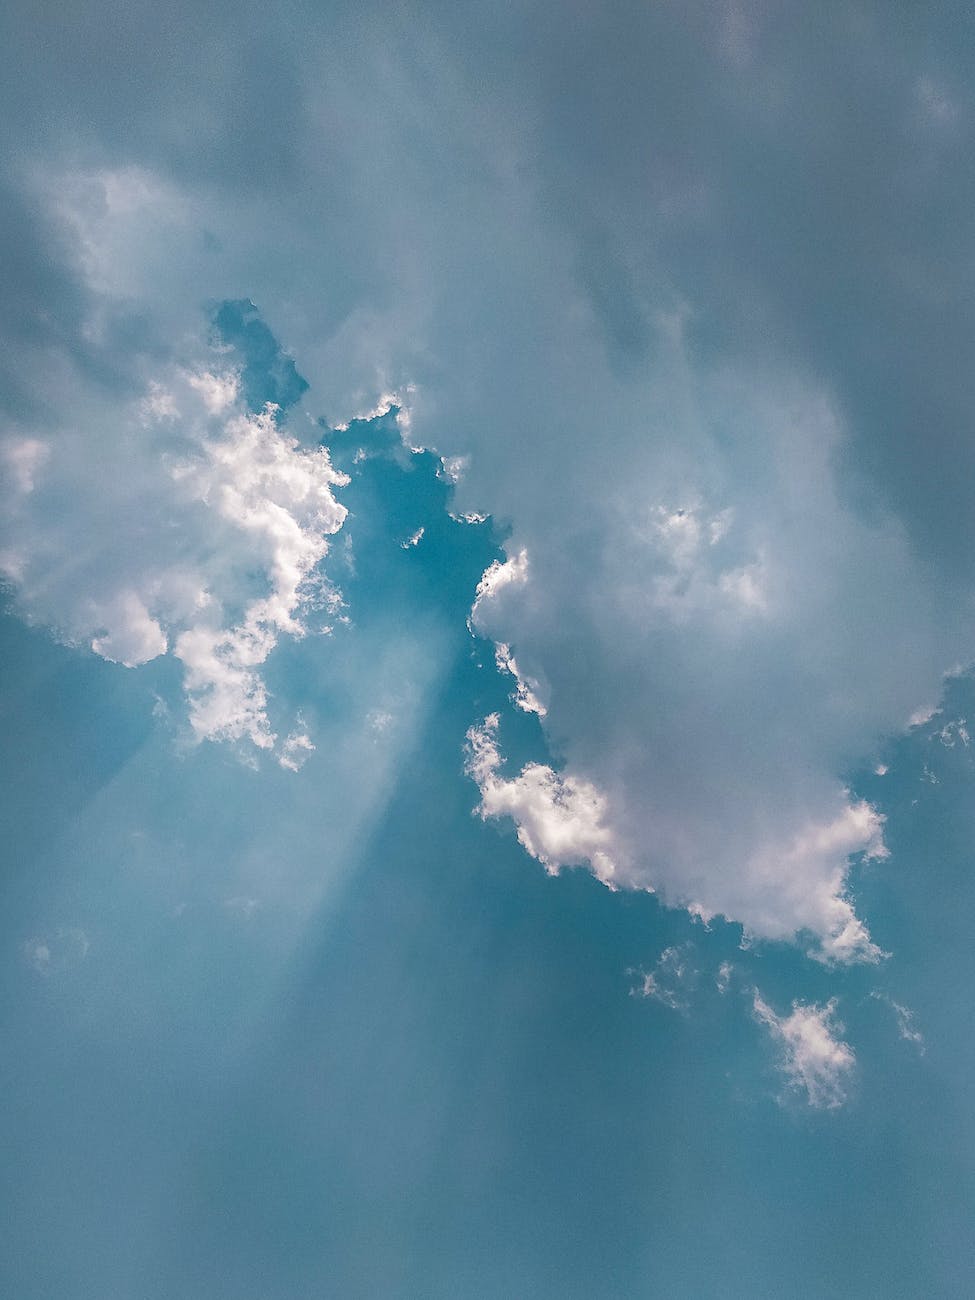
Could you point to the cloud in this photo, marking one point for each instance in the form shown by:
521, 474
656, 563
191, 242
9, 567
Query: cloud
717, 801
177, 522
60, 950
295, 751
527, 689
670, 979
812, 1057
679, 292
133, 636
697, 671
560, 820
22, 459
499, 575
906, 1021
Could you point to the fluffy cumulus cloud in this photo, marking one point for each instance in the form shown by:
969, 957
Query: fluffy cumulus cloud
814, 1059
714, 663
680, 287
176, 522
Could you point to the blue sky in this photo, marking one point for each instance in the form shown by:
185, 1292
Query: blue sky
487, 635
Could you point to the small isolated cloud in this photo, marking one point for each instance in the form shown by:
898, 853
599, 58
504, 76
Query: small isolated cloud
723, 977
379, 721
955, 733
670, 979
295, 751
906, 1021
814, 1060
58, 951
20, 460
560, 819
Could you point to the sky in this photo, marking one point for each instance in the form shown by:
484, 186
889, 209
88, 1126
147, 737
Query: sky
487, 633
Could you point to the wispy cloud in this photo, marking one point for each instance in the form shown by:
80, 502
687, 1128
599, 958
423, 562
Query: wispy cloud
814, 1059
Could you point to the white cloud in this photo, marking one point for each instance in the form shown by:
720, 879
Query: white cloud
178, 524
218, 391
21, 459
812, 1057
802, 883
158, 404
499, 575
379, 721
58, 951
527, 689
560, 820
955, 733
597, 366
693, 570
121, 219
295, 751
670, 979
132, 635
697, 672
398, 401
923, 715
453, 469
906, 1021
